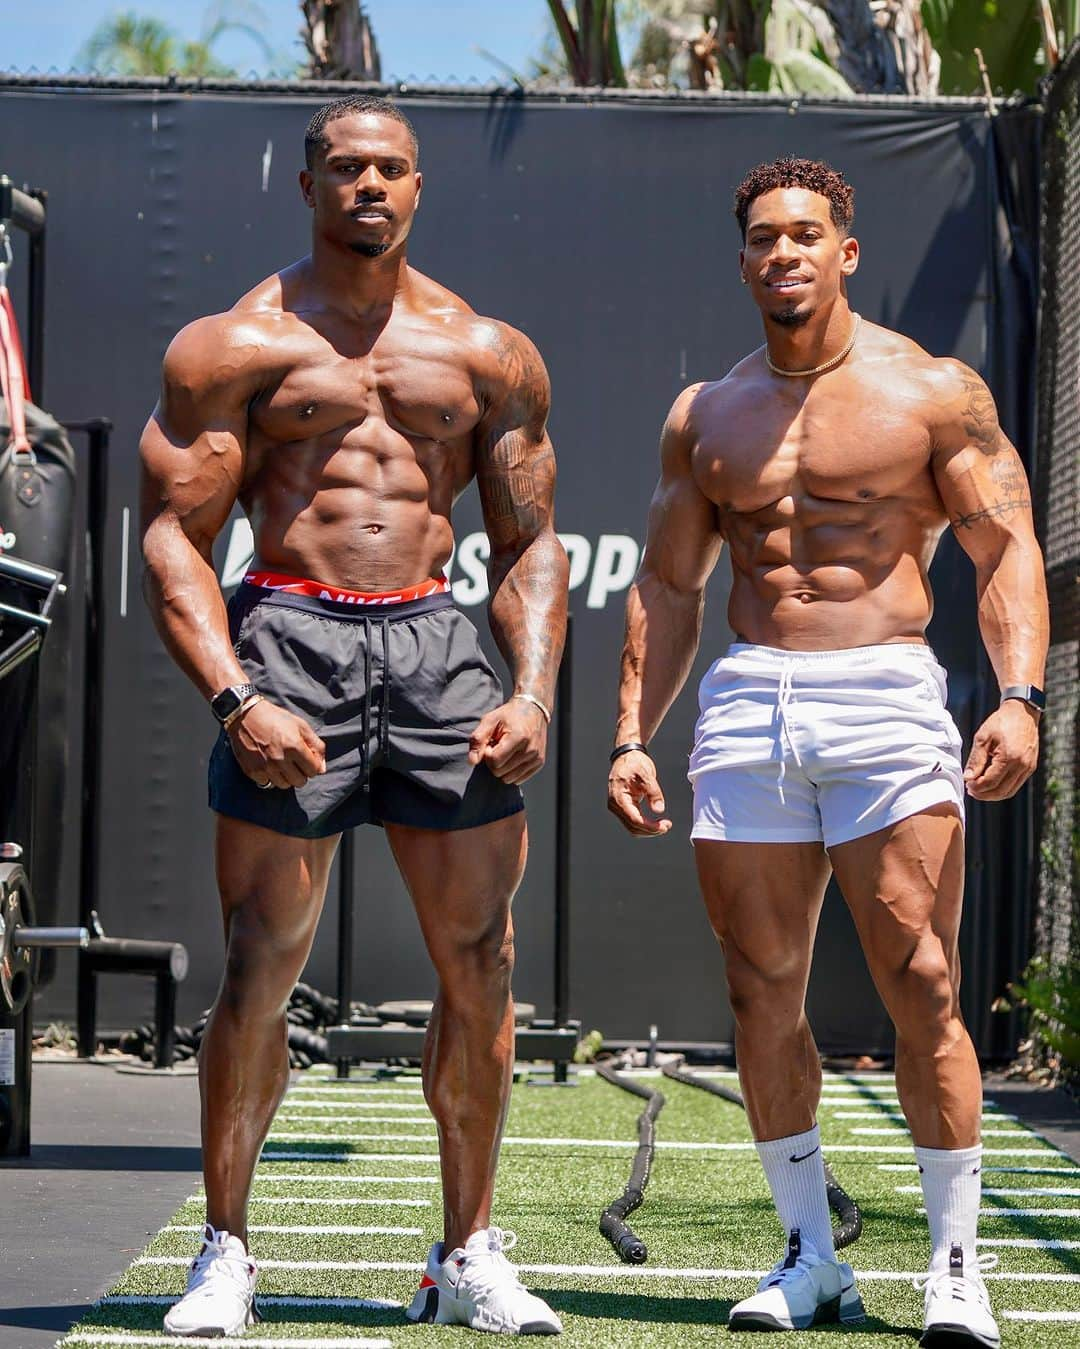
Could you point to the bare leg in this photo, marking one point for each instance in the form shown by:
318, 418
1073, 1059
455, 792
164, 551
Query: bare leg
764, 900
904, 886
462, 883
272, 890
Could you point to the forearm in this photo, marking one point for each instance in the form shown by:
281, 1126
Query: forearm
527, 612
1013, 614
663, 628
188, 610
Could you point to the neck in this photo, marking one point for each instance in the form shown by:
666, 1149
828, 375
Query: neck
812, 343
355, 284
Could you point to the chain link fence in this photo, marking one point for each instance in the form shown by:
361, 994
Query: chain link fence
1056, 482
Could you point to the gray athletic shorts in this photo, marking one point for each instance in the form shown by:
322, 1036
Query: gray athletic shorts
394, 691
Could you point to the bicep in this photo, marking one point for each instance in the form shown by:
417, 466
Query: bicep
515, 469
980, 477
683, 540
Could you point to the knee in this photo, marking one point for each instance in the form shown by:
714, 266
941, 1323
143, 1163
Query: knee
763, 985
474, 962
260, 971
920, 991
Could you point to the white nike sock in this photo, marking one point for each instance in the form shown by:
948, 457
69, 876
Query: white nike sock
951, 1181
796, 1174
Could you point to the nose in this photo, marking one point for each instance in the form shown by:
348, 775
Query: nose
783, 251
370, 183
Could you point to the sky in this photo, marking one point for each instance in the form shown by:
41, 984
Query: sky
418, 39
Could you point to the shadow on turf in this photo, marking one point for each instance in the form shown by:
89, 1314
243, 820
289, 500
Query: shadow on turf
703, 1311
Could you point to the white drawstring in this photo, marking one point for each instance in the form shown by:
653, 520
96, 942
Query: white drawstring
783, 698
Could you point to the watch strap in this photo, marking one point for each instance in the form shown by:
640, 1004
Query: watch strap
1026, 693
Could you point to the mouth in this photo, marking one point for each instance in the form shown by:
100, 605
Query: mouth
787, 283
371, 215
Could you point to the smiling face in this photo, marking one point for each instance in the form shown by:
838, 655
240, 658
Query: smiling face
794, 259
363, 185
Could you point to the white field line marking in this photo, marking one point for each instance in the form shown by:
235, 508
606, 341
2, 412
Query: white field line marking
1025, 1212
842, 1081
364, 1157
1029, 1243
376, 1304
620, 1143
1040, 1316
273, 1178
369, 1089
313, 1103
986, 1133
309, 1231
284, 1136
601, 1271
310, 1117
292, 1201
994, 1116
1069, 1170
87, 1337
1065, 1192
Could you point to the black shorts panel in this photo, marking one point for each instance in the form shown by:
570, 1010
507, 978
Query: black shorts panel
394, 693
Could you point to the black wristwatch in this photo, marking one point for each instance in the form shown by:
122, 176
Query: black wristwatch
1026, 693
230, 700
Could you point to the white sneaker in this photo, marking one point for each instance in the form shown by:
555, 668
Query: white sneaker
477, 1286
958, 1305
220, 1297
802, 1290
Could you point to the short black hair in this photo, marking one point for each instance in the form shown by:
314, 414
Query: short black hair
813, 174
353, 105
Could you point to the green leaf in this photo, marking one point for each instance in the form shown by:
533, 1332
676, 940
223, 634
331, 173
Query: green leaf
801, 72
1008, 33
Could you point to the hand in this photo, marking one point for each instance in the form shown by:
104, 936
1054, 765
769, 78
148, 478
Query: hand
632, 780
274, 746
511, 740
1004, 753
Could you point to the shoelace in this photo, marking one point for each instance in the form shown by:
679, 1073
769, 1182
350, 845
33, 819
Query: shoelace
214, 1258
487, 1269
961, 1283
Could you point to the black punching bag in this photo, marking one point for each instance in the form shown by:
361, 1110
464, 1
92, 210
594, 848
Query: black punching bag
37, 497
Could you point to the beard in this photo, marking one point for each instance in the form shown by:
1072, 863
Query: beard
369, 250
792, 318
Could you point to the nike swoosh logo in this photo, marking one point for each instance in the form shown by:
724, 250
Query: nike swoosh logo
803, 1158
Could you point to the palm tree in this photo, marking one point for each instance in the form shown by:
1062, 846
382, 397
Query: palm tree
340, 41
132, 45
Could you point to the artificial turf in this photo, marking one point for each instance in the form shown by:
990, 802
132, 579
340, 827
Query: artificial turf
706, 1211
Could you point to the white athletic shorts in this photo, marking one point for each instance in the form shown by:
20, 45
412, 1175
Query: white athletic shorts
802, 746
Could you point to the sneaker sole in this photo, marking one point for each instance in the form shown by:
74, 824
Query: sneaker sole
954, 1336
251, 1318
829, 1313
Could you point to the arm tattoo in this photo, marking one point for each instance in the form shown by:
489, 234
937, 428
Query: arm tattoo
516, 478
980, 417
1000, 510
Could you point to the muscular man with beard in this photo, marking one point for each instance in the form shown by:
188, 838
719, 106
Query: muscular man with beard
345, 403
830, 460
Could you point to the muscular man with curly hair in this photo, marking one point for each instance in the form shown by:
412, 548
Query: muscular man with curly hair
830, 460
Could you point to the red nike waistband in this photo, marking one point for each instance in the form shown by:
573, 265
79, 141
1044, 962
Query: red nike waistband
298, 585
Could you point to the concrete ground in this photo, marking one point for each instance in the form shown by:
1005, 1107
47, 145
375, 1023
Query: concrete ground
112, 1156
115, 1153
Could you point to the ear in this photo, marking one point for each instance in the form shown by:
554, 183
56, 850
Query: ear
849, 255
419, 186
742, 262
307, 180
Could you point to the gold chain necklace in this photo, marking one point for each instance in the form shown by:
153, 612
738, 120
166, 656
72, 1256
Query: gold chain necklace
818, 369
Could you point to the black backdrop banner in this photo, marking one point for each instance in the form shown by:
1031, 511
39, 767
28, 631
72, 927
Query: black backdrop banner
603, 228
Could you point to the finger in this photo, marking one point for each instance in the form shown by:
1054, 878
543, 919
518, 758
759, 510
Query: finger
523, 770
485, 734
314, 741
625, 805
293, 773
507, 752
309, 760
977, 759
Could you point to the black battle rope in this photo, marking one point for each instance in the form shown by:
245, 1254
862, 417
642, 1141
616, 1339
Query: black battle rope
627, 1245
841, 1203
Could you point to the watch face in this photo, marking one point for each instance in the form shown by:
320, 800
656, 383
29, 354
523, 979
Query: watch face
225, 703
